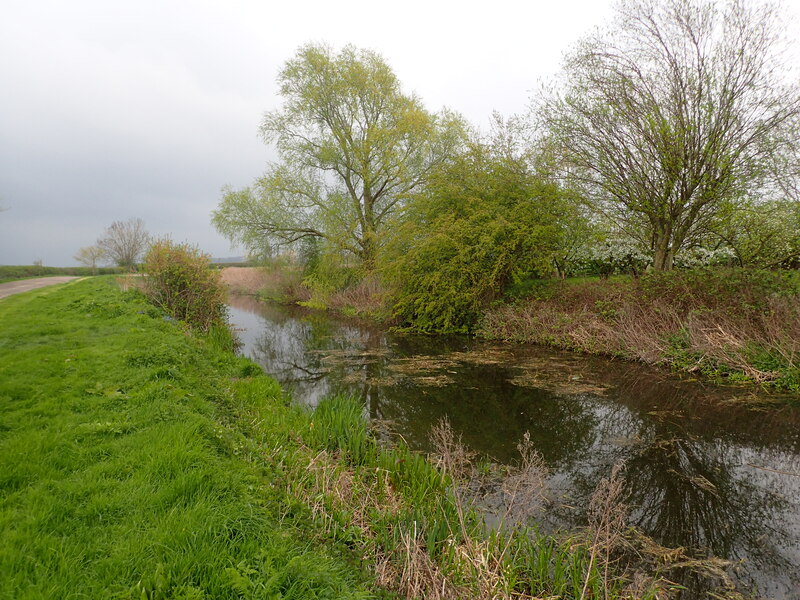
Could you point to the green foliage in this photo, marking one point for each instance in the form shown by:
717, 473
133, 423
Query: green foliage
734, 290
179, 280
483, 222
327, 271
760, 234
338, 424
531, 287
352, 147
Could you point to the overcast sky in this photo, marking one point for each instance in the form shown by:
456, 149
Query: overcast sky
118, 109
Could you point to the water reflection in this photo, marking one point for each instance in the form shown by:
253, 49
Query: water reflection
709, 469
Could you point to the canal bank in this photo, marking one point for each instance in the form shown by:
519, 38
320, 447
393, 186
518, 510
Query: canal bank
140, 458
709, 468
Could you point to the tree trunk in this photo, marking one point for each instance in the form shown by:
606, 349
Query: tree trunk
369, 251
664, 254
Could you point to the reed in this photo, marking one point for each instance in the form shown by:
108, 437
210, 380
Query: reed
415, 520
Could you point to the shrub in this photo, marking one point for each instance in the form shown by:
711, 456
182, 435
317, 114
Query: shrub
481, 224
179, 280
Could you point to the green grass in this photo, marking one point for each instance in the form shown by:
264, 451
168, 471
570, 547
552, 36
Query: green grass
142, 460
124, 469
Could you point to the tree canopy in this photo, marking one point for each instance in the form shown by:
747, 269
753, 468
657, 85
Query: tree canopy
484, 219
679, 107
352, 148
124, 242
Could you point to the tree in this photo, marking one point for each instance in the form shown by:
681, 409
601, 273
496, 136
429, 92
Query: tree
124, 242
353, 147
483, 220
764, 234
90, 256
678, 108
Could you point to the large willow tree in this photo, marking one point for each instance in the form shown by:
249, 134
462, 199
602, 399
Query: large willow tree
353, 147
679, 107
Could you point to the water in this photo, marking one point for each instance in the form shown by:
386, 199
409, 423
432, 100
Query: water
713, 469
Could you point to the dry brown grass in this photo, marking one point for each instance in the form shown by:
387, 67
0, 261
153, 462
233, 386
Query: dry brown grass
244, 280
406, 569
413, 574
754, 334
484, 562
367, 297
282, 284
476, 566
524, 486
607, 515
130, 281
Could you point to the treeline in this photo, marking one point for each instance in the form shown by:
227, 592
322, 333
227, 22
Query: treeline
668, 141
12, 272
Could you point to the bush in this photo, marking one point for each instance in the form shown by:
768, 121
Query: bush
481, 224
179, 280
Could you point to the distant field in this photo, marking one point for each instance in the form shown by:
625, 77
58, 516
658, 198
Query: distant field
14, 272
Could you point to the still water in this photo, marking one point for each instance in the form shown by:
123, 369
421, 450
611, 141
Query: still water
715, 470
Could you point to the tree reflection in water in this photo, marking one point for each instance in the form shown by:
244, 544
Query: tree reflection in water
687, 448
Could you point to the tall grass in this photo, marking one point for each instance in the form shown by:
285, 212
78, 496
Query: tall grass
416, 522
366, 298
735, 324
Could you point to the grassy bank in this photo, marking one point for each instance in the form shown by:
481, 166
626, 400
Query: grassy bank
13, 273
140, 460
729, 324
126, 468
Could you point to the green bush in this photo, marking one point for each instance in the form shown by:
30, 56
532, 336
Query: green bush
179, 280
483, 222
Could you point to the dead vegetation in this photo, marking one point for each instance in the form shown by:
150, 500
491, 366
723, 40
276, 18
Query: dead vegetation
244, 280
282, 284
366, 298
744, 331
417, 527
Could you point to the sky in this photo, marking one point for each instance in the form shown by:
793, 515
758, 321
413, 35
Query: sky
119, 109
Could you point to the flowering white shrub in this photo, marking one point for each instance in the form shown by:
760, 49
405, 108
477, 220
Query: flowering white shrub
705, 257
617, 254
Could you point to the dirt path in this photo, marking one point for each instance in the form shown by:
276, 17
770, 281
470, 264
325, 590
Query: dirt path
15, 287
